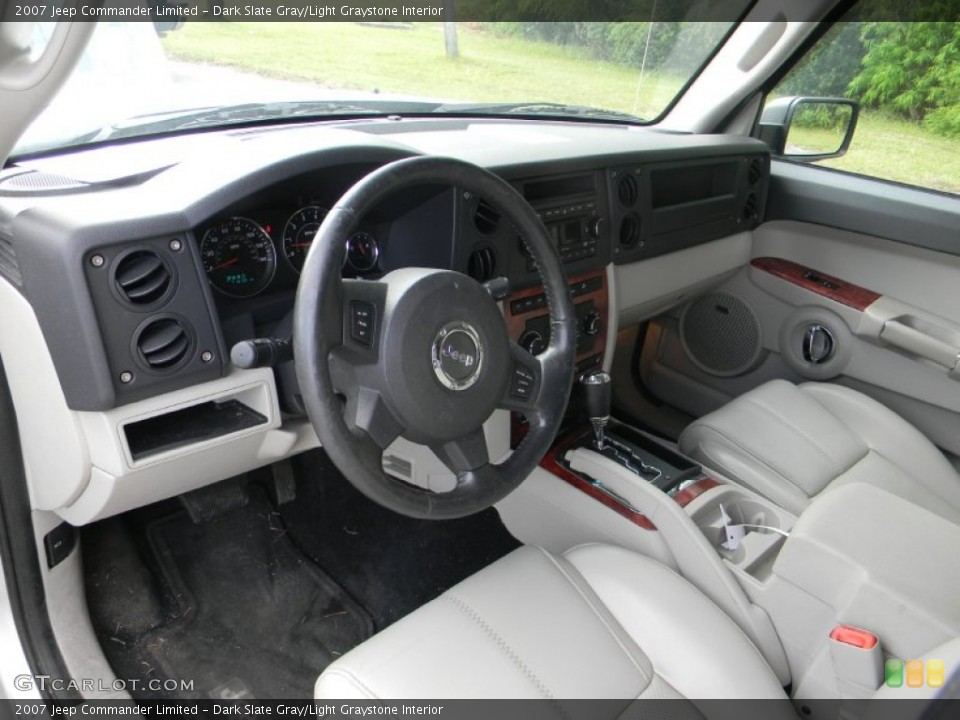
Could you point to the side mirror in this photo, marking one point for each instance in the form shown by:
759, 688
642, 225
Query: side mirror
809, 128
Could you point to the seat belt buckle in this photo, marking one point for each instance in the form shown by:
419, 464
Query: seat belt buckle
857, 661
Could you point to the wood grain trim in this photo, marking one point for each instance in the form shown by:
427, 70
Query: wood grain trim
551, 462
827, 286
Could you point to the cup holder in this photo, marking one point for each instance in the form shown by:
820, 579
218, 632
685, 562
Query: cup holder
763, 530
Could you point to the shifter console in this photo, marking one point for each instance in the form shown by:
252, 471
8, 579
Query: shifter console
646, 458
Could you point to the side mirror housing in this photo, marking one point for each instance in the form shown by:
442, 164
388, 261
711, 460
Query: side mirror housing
808, 128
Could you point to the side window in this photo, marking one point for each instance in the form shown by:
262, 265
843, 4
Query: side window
906, 77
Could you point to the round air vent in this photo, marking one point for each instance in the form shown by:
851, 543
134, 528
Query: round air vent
630, 230
482, 264
142, 278
163, 344
628, 190
486, 218
721, 334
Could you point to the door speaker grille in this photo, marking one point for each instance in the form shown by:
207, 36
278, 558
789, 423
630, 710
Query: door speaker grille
721, 334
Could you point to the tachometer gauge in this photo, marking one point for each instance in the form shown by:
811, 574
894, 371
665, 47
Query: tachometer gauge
299, 232
239, 257
363, 251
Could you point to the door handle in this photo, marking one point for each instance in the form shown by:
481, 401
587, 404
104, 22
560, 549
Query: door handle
819, 344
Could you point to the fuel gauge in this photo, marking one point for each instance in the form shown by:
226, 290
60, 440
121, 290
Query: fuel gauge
363, 251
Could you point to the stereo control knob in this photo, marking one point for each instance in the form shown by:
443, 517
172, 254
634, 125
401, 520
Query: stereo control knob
532, 341
592, 323
596, 226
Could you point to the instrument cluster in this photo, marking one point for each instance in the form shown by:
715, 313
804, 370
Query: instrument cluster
246, 255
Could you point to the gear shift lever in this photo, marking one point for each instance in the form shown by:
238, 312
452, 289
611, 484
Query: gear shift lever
596, 398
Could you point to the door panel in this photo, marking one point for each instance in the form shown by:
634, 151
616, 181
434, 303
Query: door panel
890, 306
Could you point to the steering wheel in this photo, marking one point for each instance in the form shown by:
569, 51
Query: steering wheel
424, 353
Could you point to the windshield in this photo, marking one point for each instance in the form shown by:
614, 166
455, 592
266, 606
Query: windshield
144, 78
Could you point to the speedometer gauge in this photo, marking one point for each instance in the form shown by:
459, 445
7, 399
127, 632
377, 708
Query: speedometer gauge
239, 257
299, 232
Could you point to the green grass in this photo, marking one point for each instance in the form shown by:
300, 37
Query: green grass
902, 151
492, 68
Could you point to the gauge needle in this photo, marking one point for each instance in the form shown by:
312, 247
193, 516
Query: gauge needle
228, 263
299, 245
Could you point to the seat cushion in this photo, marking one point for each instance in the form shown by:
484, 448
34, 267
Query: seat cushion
600, 622
789, 443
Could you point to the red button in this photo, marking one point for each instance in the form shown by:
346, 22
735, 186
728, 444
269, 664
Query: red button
849, 635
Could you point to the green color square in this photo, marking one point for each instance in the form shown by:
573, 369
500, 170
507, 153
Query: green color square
894, 673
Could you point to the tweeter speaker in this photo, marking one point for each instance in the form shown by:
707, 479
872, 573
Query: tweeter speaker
721, 334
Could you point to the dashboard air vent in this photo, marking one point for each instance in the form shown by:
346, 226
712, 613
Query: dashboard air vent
486, 218
755, 171
750, 213
163, 344
482, 264
628, 190
142, 278
629, 231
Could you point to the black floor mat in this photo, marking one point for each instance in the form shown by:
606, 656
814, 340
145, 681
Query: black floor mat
243, 613
390, 563
237, 605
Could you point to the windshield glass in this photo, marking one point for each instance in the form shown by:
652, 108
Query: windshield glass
142, 78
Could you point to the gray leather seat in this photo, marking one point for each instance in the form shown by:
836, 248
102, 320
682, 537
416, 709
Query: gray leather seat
789, 443
598, 622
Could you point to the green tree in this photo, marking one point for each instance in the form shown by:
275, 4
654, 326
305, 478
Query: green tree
911, 68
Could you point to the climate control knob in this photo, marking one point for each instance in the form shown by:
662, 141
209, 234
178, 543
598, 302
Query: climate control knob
532, 341
592, 323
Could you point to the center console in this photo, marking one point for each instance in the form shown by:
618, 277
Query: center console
860, 578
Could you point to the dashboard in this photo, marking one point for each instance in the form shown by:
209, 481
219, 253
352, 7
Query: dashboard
142, 264
192, 244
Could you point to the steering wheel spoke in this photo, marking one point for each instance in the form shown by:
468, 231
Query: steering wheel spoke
466, 453
524, 389
364, 408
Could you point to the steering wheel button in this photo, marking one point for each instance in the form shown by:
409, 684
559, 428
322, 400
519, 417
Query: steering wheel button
521, 384
361, 322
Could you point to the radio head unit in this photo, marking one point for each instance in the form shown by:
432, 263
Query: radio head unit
570, 208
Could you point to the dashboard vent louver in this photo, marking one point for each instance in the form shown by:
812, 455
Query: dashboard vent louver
142, 278
750, 213
628, 190
482, 264
163, 344
630, 231
755, 171
486, 218
9, 266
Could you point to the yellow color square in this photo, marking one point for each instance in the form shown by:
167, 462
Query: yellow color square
914, 673
935, 673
